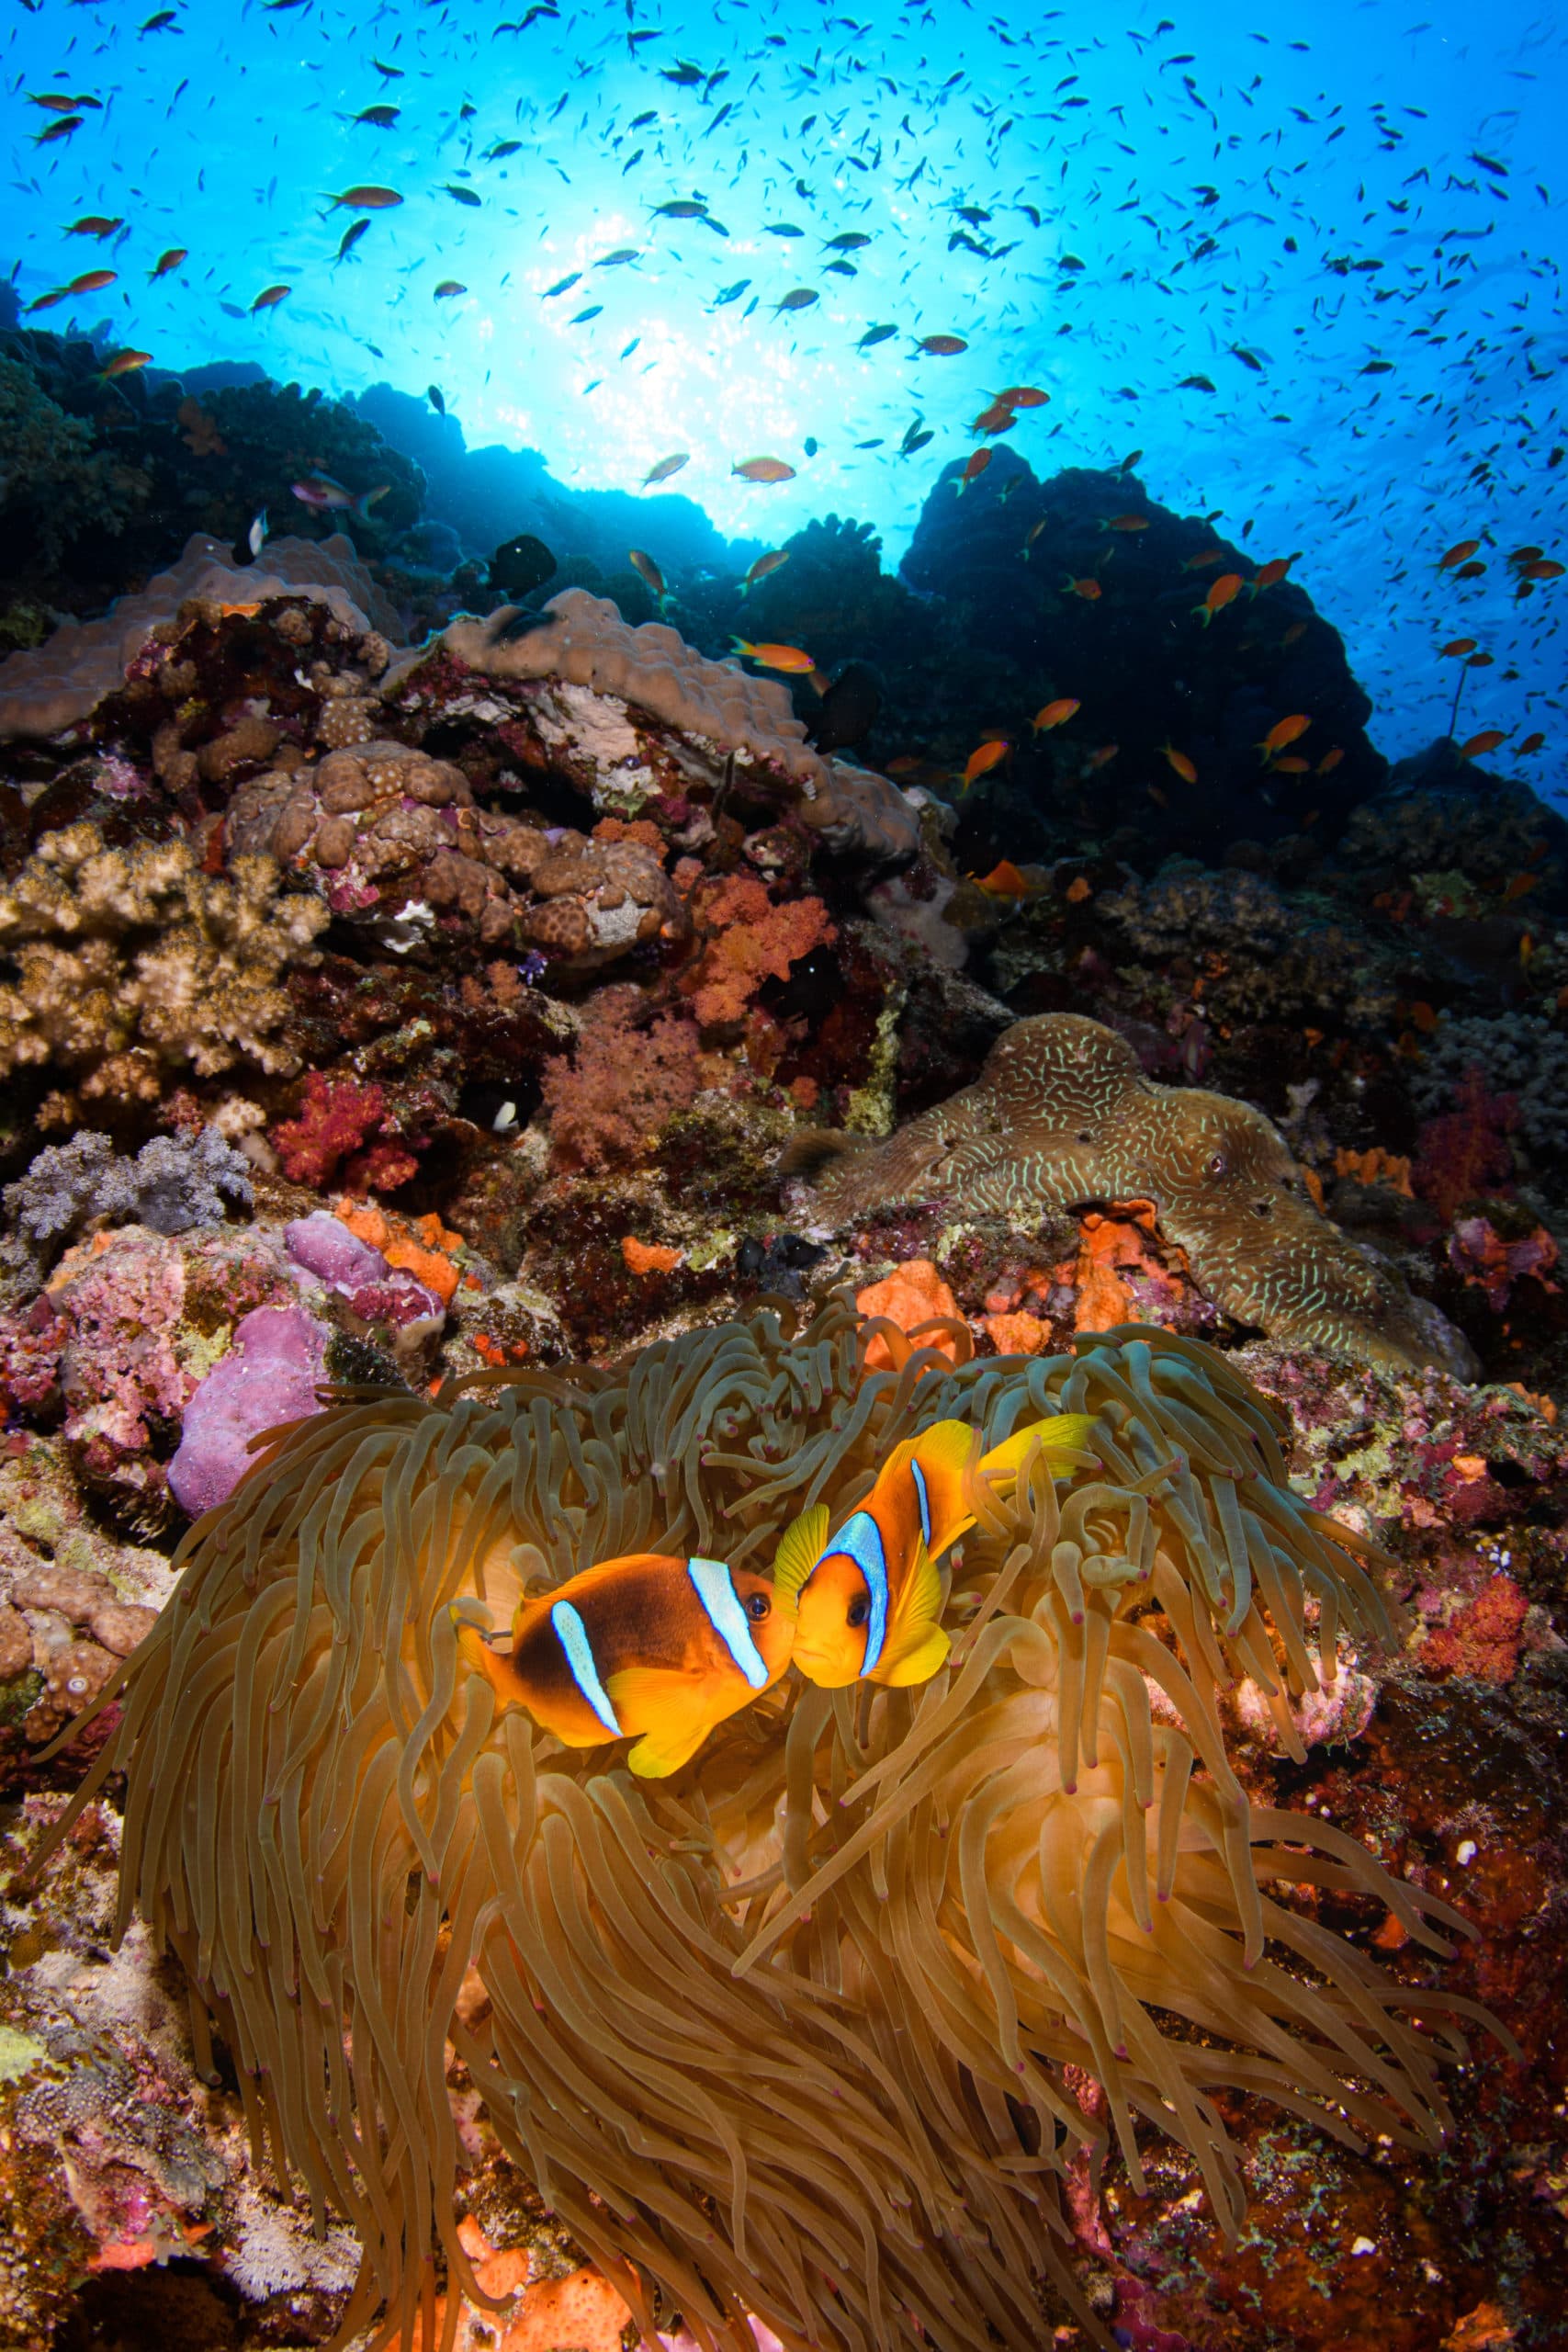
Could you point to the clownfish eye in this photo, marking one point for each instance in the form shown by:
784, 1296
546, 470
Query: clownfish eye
757, 1606
858, 1612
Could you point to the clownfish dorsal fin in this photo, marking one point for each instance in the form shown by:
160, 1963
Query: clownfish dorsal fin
939, 1465
801, 1545
915, 1620
1063, 1442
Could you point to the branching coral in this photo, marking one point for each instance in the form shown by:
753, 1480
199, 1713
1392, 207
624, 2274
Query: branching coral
175, 1183
133, 965
1062, 1114
797, 2032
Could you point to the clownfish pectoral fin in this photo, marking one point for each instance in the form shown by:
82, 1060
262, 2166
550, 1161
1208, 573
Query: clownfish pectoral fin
801, 1545
673, 1712
916, 1644
1062, 1446
917, 1665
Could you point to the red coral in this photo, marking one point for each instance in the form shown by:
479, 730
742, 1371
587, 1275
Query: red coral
31, 1341
1465, 1154
747, 939
622, 1084
337, 1118
1481, 1639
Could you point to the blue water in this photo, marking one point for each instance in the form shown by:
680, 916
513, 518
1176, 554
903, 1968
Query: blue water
1358, 196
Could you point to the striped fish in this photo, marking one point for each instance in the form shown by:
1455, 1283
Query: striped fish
645, 1649
867, 1602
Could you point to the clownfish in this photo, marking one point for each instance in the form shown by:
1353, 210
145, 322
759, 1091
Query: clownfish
867, 1601
643, 1647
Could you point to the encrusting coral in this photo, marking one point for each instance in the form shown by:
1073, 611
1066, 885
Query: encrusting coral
133, 965
797, 2032
1062, 1114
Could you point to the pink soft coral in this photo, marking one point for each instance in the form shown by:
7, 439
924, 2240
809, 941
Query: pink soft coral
749, 939
622, 1084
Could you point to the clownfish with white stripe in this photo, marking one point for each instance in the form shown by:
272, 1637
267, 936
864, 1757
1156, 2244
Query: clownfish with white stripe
867, 1600
644, 1648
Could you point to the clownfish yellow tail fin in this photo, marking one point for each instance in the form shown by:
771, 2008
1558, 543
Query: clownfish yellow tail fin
801, 1545
1063, 1442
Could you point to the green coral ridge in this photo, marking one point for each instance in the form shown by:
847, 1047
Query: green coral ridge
1062, 1114
51, 476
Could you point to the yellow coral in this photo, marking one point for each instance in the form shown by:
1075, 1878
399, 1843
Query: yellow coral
133, 963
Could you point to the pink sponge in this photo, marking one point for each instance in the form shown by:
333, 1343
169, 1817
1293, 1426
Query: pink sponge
269, 1376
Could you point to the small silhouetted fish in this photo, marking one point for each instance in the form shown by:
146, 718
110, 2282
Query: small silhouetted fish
521, 564
433, 394
848, 710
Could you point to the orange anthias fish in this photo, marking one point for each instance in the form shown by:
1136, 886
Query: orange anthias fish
1021, 396
91, 281
1532, 743
867, 1601
1284, 731
1487, 740
1053, 714
646, 1649
1271, 573
1004, 881
647, 572
366, 200
776, 657
1455, 647
1090, 589
269, 298
447, 287
997, 418
1545, 567
1225, 590
974, 469
1126, 523
764, 469
1181, 762
169, 260
123, 363
98, 224
773, 561
1457, 554
943, 346
983, 760
666, 466
1330, 760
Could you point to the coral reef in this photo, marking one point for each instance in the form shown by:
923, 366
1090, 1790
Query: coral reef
1063, 1113
175, 1183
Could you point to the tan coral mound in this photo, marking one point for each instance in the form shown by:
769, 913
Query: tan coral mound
1062, 1115
54, 686
132, 965
789, 2033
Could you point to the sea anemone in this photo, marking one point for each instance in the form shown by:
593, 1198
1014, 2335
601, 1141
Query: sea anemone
795, 2032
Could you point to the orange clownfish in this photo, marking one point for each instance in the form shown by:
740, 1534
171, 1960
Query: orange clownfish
644, 1648
867, 1600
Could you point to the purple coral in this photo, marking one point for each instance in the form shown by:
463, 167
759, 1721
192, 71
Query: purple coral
270, 1375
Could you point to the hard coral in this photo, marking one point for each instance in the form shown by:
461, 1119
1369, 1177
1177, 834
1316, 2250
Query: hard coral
133, 966
1062, 1114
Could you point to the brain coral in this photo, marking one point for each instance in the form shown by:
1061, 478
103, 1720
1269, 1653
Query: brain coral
1062, 1114
798, 2031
